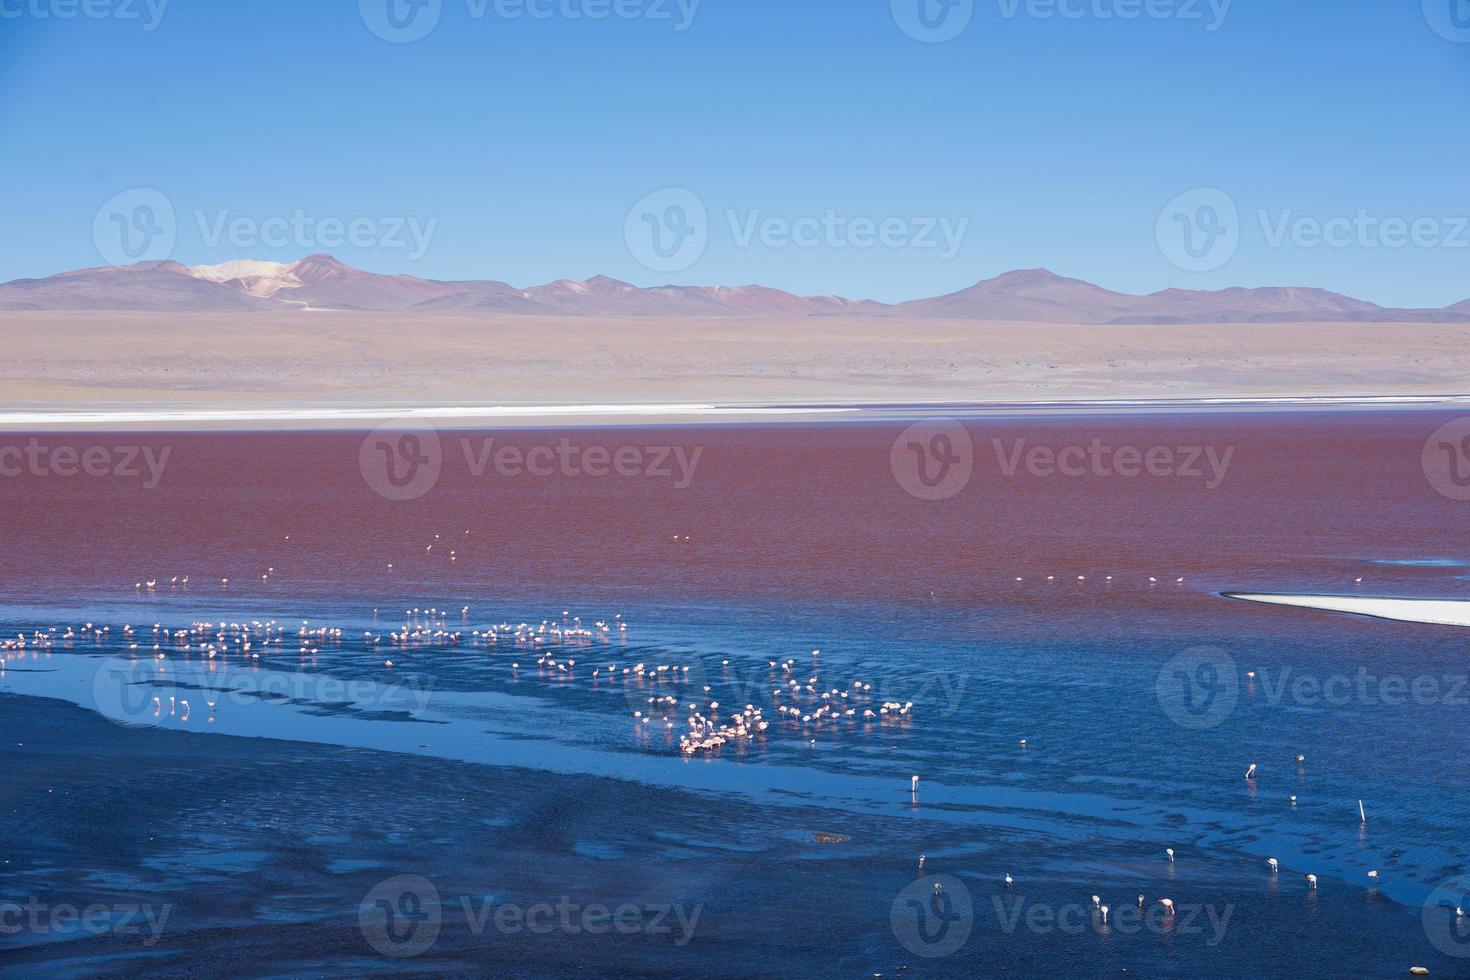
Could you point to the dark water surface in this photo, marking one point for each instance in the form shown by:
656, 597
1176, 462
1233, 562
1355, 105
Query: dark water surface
544, 830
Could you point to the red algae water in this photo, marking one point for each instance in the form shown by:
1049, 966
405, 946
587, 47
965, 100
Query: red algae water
458, 738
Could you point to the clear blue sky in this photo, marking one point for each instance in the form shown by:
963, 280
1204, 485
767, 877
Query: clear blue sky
1058, 139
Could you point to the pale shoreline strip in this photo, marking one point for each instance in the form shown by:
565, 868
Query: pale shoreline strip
174, 416
1437, 612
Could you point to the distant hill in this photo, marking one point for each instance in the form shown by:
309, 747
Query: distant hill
320, 282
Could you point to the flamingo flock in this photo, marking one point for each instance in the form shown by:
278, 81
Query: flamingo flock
669, 695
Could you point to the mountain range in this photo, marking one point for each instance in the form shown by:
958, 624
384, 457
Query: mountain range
320, 282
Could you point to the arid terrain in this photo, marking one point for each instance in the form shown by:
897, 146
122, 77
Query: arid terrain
108, 361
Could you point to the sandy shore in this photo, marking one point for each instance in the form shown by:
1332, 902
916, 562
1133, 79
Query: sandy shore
284, 364
1437, 612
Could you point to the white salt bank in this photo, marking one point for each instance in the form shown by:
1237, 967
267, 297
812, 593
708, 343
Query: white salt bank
1441, 612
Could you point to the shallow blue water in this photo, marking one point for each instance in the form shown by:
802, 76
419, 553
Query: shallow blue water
1105, 759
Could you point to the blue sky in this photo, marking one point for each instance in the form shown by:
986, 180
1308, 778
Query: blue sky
524, 142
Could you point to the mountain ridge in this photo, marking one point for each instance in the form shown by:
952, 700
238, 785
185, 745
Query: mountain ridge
321, 282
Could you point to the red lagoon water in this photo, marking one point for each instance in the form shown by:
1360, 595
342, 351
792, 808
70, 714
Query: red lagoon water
802, 513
